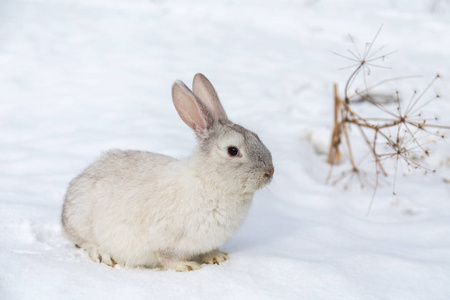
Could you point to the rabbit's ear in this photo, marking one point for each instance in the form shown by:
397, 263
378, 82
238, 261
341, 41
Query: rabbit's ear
192, 110
203, 89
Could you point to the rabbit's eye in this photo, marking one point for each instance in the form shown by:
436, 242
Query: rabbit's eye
233, 151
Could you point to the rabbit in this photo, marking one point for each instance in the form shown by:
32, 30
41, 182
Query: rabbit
143, 209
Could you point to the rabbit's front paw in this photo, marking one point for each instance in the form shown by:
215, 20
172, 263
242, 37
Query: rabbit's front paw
214, 257
170, 261
182, 266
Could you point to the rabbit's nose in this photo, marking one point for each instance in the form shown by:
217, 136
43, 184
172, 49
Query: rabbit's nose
269, 172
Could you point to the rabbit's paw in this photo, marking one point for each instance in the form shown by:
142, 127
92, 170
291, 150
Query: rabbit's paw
170, 261
108, 260
183, 266
214, 257
98, 256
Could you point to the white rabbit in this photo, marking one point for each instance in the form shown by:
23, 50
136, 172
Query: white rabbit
140, 208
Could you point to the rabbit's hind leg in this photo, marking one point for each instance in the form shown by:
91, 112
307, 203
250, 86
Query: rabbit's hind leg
96, 255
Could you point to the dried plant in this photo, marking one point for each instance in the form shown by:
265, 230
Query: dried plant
401, 135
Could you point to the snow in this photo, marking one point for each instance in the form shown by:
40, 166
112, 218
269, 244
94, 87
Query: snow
79, 77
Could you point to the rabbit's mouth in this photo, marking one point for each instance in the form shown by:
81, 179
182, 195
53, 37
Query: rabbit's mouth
265, 179
268, 174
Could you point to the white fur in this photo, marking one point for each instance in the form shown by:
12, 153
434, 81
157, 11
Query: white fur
140, 208
109, 210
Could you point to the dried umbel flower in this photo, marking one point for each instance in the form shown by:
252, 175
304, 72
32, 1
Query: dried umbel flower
412, 131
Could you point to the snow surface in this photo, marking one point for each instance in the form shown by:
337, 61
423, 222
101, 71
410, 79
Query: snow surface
78, 77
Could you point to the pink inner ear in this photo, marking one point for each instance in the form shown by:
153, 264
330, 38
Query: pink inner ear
192, 110
204, 90
190, 114
205, 95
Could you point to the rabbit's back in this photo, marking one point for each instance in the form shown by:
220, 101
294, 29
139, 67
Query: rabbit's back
109, 194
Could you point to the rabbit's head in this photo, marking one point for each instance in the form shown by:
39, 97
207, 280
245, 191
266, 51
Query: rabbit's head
229, 156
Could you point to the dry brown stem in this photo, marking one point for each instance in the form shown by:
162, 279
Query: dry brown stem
407, 122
